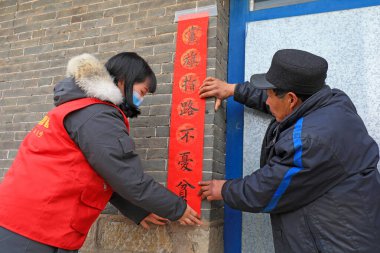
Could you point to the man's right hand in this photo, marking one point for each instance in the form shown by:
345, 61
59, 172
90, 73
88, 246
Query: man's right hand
213, 87
190, 217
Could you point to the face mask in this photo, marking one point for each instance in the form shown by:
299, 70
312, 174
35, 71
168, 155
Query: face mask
137, 98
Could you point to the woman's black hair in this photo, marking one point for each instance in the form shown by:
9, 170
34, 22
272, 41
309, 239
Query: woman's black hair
130, 68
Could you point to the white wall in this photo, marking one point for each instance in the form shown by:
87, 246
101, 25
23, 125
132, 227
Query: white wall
350, 41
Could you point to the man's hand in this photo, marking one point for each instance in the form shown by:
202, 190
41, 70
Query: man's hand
153, 218
211, 190
213, 87
190, 217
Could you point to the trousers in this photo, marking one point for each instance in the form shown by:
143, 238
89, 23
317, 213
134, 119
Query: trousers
11, 242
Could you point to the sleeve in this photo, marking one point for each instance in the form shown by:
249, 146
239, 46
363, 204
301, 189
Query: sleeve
129, 210
251, 97
105, 143
291, 179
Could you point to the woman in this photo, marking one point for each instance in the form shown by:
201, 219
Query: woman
79, 157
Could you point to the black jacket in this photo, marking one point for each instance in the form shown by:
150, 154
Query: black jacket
100, 132
318, 177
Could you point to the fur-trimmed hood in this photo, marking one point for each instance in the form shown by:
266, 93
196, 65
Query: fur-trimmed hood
87, 77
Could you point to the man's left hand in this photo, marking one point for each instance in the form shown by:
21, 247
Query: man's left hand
211, 190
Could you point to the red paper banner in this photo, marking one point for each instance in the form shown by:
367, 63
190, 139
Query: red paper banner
188, 110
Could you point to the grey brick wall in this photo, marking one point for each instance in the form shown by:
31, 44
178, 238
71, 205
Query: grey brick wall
38, 37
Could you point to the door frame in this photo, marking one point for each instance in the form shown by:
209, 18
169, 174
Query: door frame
239, 17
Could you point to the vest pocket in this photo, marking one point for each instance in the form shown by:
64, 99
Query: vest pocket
92, 201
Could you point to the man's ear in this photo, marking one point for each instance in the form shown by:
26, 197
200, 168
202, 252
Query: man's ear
294, 101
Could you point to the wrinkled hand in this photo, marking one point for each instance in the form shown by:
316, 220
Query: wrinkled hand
213, 87
211, 190
190, 217
153, 218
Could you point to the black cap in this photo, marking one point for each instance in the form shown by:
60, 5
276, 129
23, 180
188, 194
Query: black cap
293, 70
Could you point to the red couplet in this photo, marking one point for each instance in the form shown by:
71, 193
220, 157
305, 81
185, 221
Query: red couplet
188, 110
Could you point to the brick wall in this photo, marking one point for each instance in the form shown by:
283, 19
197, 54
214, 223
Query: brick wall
38, 37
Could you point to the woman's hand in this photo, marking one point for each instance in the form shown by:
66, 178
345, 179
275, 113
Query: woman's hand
155, 219
190, 217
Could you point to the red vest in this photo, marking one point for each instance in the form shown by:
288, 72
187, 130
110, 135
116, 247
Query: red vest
51, 194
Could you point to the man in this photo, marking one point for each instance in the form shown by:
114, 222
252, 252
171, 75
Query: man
318, 175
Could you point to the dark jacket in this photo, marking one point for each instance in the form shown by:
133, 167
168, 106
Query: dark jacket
318, 177
101, 134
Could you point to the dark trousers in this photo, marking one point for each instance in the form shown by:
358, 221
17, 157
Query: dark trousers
14, 243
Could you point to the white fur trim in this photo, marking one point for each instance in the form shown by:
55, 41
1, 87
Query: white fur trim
93, 78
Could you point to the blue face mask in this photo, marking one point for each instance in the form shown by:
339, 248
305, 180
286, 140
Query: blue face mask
137, 99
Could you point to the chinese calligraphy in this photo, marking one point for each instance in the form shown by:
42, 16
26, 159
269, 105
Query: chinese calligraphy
191, 59
188, 111
189, 83
185, 161
192, 34
183, 185
188, 107
187, 134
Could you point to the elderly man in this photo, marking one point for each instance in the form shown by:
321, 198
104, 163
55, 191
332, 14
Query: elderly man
318, 175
